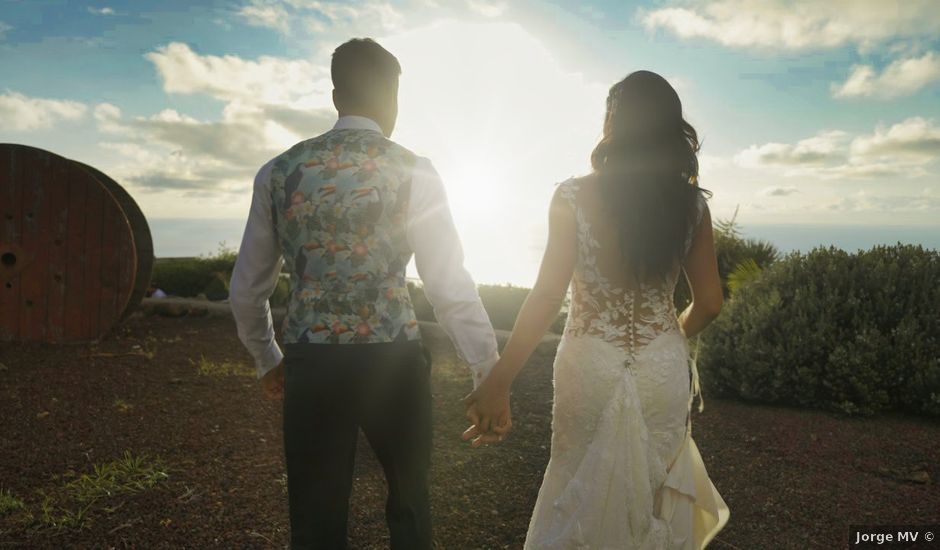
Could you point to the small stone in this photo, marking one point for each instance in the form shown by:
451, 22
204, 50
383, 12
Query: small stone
919, 476
198, 311
170, 310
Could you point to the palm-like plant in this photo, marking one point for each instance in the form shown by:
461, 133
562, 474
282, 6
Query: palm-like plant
747, 271
733, 252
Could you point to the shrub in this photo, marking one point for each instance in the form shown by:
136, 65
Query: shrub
856, 333
734, 253
281, 291
207, 275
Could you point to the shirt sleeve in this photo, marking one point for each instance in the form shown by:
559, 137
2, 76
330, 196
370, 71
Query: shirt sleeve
254, 278
447, 284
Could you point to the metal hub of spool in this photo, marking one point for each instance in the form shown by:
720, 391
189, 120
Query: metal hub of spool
75, 250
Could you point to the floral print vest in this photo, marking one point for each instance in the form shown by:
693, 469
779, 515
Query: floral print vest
339, 205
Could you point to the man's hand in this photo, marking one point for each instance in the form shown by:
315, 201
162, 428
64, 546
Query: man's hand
273, 382
489, 412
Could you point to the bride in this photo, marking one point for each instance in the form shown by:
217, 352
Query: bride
624, 471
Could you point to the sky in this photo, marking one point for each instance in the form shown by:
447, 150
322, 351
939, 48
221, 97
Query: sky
809, 111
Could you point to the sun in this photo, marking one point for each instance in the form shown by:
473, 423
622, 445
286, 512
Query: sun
502, 122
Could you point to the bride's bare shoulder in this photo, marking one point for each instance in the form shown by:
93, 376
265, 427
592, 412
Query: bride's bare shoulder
585, 180
572, 186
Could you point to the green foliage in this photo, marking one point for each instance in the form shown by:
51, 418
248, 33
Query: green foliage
747, 271
502, 304
75, 498
208, 275
732, 251
281, 291
128, 474
856, 333
206, 367
9, 502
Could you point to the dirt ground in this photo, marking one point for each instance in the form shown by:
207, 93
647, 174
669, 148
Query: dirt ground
212, 443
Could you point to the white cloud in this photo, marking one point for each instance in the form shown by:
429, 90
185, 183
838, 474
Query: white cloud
487, 8
827, 146
915, 139
4, 28
865, 201
799, 24
173, 151
778, 191
266, 15
107, 117
265, 80
904, 149
381, 14
101, 11
182, 152
107, 111
289, 16
902, 77
711, 162
271, 103
20, 112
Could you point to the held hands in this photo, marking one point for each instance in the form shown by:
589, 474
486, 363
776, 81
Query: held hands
489, 412
272, 383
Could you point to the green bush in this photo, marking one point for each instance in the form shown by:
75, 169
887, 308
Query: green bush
732, 250
746, 256
207, 275
856, 333
210, 276
281, 291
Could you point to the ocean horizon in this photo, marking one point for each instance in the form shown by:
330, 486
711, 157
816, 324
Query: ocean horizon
177, 237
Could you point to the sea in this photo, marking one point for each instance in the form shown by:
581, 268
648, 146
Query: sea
175, 237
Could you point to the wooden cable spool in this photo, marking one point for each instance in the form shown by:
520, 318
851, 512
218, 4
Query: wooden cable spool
70, 257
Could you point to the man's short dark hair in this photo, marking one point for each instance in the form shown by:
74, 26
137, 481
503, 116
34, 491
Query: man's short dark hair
361, 65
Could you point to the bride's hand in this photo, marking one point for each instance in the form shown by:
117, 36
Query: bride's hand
489, 411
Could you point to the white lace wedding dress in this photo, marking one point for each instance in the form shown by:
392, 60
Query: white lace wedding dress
624, 471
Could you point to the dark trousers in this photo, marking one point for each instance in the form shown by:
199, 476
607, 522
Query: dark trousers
330, 392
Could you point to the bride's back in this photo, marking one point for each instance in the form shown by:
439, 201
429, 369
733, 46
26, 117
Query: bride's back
607, 301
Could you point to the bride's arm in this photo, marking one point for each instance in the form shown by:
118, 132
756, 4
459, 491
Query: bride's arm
537, 314
701, 270
544, 301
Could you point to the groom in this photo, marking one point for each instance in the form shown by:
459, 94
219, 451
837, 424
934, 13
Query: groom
346, 210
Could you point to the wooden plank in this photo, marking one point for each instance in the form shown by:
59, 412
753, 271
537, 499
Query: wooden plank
10, 238
32, 174
58, 253
75, 252
107, 301
91, 292
39, 270
128, 270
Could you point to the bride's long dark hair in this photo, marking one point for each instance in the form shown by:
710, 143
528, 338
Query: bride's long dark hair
648, 172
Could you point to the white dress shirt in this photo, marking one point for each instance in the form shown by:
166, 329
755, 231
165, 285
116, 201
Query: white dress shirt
438, 255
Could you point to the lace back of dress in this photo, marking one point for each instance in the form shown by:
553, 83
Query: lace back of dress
605, 302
